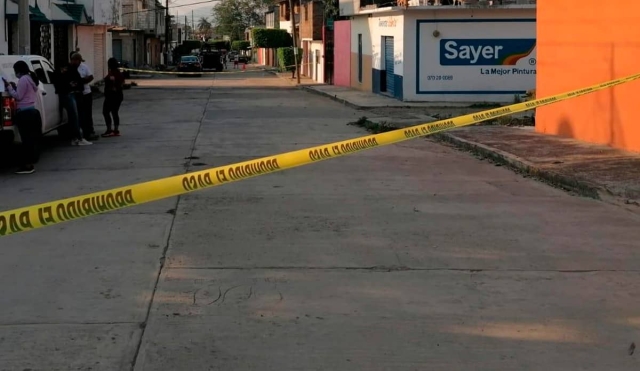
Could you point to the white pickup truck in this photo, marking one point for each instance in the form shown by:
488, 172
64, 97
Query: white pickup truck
48, 102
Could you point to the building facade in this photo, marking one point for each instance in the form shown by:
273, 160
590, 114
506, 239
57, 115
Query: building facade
439, 53
59, 27
609, 39
311, 39
140, 40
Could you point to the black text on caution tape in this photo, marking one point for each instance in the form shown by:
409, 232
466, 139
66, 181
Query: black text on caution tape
66, 210
318, 154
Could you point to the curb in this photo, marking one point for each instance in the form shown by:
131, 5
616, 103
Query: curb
569, 183
573, 184
334, 98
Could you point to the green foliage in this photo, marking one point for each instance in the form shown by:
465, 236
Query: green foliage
286, 58
331, 9
240, 45
232, 17
205, 27
271, 38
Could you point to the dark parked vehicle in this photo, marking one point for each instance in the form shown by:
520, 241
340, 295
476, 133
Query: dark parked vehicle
190, 63
211, 58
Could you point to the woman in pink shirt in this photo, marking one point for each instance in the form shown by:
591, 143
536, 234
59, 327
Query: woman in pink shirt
27, 118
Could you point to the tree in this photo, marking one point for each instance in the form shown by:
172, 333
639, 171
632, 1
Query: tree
204, 26
271, 38
240, 45
233, 17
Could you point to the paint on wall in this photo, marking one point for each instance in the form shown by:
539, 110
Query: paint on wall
342, 53
607, 42
375, 31
456, 24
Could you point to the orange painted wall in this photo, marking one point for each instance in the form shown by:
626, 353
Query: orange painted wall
584, 42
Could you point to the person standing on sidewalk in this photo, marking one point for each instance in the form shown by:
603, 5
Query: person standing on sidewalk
68, 83
85, 98
28, 118
113, 97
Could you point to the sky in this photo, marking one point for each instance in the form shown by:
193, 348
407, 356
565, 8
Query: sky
199, 10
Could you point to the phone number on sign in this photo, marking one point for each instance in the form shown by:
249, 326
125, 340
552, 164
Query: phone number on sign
439, 77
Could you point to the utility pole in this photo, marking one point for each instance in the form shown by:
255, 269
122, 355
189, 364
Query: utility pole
167, 24
24, 28
295, 38
186, 28
193, 26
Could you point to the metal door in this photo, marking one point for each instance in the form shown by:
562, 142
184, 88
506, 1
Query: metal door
389, 63
117, 49
98, 56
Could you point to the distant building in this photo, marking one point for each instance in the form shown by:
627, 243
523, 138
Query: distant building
444, 51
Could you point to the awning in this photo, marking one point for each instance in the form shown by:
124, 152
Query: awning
35, 14
76, 12
59, 16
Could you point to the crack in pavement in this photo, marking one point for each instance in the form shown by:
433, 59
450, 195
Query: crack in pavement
81, 323
393, 268
187, 166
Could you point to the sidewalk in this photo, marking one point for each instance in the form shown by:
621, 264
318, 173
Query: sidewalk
591, 170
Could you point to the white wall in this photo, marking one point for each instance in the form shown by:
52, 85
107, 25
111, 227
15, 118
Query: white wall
317, 70
286, 25
387, 25
468, 80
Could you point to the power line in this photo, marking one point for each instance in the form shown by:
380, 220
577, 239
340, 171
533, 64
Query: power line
174, 6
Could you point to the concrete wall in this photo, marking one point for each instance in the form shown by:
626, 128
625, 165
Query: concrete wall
374, 29
286, 25
107, 12
360, 26
583, 45
4, 43
381, 27
430, 76
349, 7
342, 53
132, 52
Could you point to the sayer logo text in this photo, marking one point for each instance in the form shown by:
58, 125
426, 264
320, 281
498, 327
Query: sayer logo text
484, 52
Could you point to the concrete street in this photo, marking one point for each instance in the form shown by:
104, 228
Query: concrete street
409, 257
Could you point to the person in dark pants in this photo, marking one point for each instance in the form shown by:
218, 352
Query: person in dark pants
85, 97
113, 97
68, 83
27, 118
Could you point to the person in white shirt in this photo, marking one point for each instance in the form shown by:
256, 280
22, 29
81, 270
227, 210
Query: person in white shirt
85, 99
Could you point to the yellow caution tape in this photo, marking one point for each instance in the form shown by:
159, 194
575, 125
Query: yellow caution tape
55, 212
225, 72
153, 72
